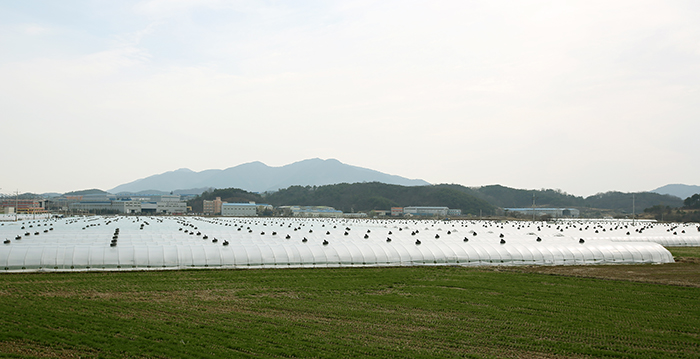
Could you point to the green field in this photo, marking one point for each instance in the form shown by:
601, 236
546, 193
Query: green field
687, 252
406, 312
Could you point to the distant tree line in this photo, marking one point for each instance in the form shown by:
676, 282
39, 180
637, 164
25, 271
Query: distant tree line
692, 202
690, 212
506, 197
356, 197
374, 195
365, 197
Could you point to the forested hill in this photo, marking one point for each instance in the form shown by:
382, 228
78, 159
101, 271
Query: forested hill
506, 197
374, 195
622, 202
85, 192
364, 197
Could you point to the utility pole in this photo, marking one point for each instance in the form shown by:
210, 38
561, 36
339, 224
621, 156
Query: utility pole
16, 202
533, 207
633, 215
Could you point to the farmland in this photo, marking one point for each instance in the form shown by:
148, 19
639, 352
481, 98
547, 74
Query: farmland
136, 243
446, 311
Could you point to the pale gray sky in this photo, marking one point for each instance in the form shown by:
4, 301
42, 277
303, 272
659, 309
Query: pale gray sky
584, 96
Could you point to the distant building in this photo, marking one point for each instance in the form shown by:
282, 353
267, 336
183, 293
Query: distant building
63, 202
93, 206
314, 211
24, 205
553, 212
212, 207
355, 215
454, 212
93, 203
239, 209
170, 204
127, 206
426, 211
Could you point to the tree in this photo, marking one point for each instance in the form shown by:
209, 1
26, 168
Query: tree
692, 201
660, 212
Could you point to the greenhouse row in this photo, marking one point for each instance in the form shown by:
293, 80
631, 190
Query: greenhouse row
134, 243
341, 254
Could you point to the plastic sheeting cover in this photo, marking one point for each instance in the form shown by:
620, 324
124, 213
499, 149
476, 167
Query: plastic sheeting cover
191, 242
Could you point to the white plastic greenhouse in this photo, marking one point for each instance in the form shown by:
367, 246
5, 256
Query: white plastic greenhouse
130, 243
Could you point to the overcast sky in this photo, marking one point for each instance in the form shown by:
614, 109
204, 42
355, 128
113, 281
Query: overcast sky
583, 96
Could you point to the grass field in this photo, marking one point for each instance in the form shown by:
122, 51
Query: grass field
407, 312
685, 272
685, 252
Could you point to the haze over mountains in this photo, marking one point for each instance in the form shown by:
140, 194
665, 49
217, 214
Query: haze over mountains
259, 177
682, 191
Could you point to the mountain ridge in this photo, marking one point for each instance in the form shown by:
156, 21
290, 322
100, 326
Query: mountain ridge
681, 191
259, 177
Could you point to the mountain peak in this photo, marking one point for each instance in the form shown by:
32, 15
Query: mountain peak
259, 177
682, 191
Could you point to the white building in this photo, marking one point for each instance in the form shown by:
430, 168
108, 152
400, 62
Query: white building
426, 211
239, 209
315, 211
170, 204
354, 215
91, 206
127, 206
454, 212
553, 212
